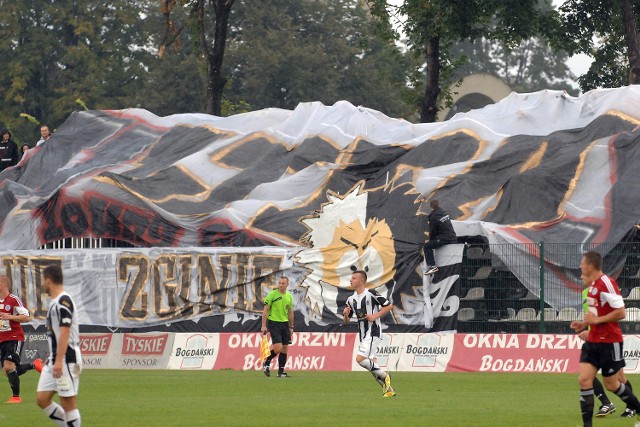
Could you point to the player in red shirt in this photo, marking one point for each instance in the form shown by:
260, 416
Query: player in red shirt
603, 347
12, 313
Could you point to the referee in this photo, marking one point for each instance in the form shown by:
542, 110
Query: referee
277, 319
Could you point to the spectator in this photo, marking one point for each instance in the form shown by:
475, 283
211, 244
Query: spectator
23, 149
9, 154
440, 233
45, 134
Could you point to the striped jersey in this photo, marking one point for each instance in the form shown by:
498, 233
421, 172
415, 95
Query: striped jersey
62, 313
11, 330
368, 302
603, 297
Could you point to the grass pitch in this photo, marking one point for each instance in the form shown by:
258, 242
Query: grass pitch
233, 398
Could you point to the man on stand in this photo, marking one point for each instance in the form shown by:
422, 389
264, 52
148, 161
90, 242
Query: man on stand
440, 233
45, 134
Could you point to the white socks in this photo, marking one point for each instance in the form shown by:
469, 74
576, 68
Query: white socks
58, 416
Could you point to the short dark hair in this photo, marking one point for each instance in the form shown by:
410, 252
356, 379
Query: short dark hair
362, 273
434, 204
594, 259
44, 125
53, 272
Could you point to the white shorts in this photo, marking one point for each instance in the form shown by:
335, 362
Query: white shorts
369, 347
67, 385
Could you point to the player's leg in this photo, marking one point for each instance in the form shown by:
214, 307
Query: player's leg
22, 368
44, 397
11, 358
366, 357
586, 375
613, 362
14, 381
628, 412
612, 383
607, 408
72, 414
67, 389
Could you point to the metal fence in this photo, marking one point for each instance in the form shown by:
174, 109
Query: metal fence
536, 288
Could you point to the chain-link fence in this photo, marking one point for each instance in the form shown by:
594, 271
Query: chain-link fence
507, 288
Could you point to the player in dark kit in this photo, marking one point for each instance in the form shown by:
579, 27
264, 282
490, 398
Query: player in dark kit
603, 347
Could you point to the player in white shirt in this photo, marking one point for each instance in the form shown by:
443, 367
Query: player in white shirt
369, 307
61, 374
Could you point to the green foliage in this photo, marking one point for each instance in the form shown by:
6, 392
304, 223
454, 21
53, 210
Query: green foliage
453, 21
55, 52
596, 28
30, 118
283, 53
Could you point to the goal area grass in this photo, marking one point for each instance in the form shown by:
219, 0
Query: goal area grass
249, 398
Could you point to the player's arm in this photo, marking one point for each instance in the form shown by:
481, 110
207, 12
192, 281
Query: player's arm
346, 313
578, 326
616, 302
20, 315
63, 344
615, 316
381, 313
66, 317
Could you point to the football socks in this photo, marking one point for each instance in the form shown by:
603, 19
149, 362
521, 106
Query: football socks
598, 390
282, 360
376, 371
56, 414
586, 406
21, 369
14, 382
73, 418
628, 397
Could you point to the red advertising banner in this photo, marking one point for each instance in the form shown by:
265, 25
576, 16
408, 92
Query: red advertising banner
309, 351
515, 353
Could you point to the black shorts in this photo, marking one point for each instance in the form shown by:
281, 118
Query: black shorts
280, 332
10, 350
608, 357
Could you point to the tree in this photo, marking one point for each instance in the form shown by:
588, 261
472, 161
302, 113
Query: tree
607, 31
432, 26
55, 52
210, 20
286, 52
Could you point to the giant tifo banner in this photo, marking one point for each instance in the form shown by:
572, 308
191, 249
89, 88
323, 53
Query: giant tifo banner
135, 288
344, 183
322, 351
